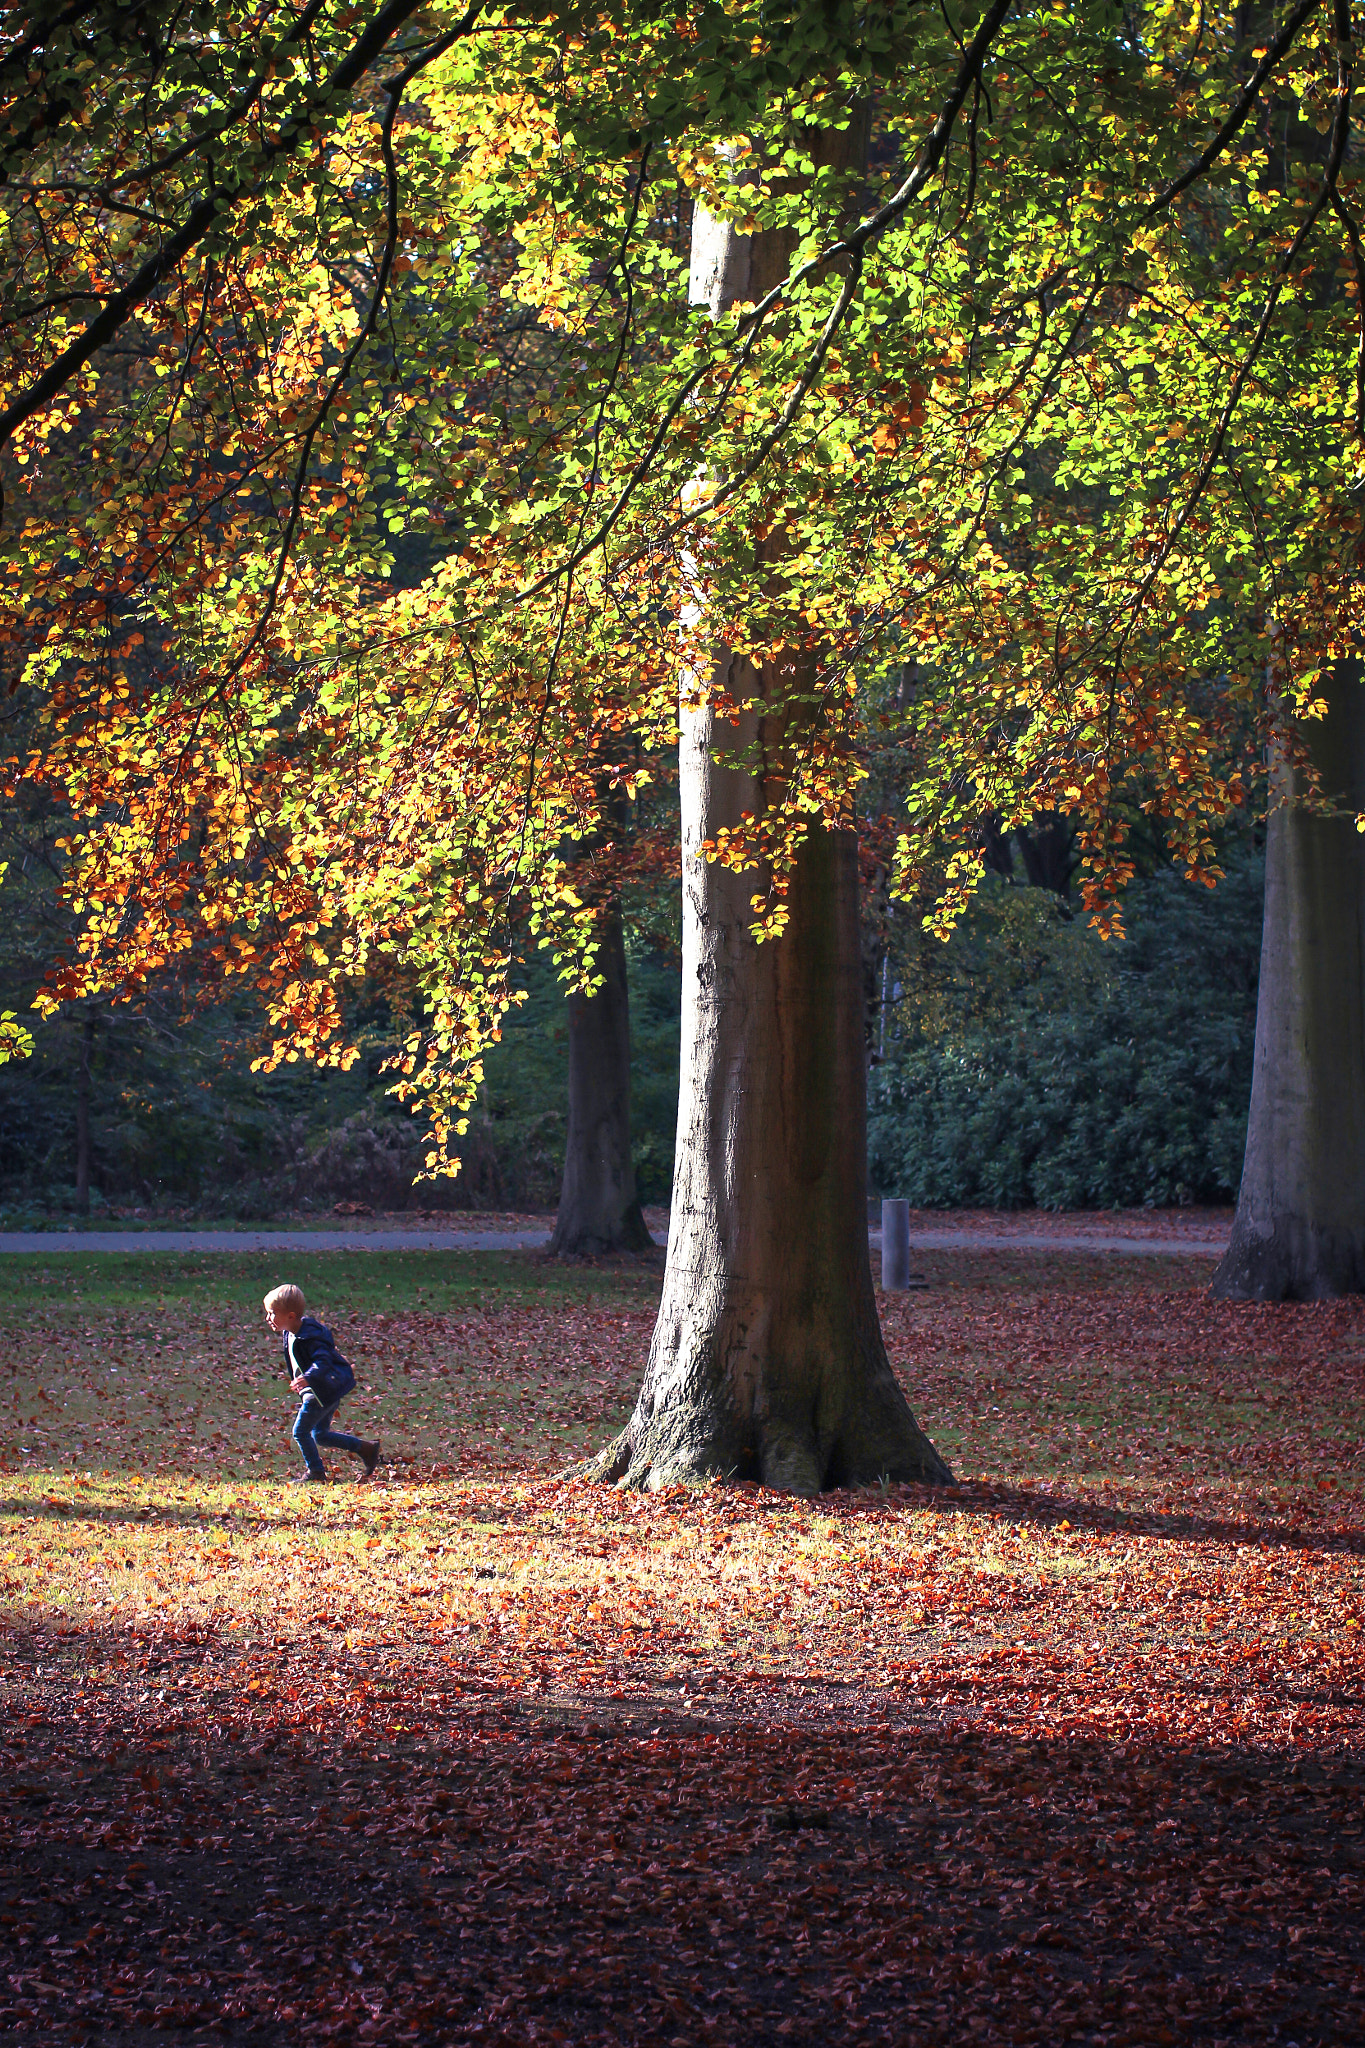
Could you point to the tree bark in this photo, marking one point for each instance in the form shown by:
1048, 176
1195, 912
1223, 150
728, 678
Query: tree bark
1048, 847
87, 1041
1299, 1231
767, 1360
875, 954
599, 1210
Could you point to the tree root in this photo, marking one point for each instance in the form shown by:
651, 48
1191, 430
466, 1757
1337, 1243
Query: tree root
1291, 1261
670, 1449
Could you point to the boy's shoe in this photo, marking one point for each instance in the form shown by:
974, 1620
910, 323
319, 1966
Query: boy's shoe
370, 1454
310, 1479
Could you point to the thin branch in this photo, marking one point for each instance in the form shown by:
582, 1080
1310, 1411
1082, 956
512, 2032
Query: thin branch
1348, 221
627, 326
1238, 114
1044, 387
970, 200
898, 204
231, 115
852, 246
182, 382
202, 217
1341, 129
98, 195
1345, 80
19, 57
394, 89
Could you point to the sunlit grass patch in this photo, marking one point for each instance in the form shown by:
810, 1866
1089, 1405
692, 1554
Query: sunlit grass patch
164, 1362
542, 1584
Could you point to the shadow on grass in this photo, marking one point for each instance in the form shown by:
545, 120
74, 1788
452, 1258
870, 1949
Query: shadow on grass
1040, 1510
127, 1514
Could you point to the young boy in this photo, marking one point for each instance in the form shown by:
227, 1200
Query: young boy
321, 1376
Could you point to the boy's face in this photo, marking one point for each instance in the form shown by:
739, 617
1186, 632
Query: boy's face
282, 1319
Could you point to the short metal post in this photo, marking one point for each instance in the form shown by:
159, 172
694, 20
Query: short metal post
895, 1246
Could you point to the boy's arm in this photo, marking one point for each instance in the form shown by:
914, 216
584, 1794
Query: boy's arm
317, 1351
300, 1352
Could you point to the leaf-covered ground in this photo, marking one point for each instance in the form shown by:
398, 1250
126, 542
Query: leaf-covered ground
1072, 1752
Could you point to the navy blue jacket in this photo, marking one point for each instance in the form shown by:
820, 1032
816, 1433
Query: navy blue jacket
315, 1357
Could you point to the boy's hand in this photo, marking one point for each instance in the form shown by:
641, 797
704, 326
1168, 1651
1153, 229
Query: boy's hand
299, 1386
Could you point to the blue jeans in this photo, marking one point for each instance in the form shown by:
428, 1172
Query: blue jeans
312, 1427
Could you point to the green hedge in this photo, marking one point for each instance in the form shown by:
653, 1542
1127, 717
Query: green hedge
1110, 1075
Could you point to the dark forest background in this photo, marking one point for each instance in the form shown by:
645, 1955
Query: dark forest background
1027, 1063
1032, 1064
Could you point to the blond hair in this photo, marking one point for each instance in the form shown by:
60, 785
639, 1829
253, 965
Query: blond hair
285, 1297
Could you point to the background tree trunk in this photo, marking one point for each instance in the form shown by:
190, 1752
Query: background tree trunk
86, 1044
1048, 848
1299, 1231
598, 1207
767, 1360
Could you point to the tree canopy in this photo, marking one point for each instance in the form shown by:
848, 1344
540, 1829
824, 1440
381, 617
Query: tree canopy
368, 475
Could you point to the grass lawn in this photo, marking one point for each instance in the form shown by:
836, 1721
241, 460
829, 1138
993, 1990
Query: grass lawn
1069, 1752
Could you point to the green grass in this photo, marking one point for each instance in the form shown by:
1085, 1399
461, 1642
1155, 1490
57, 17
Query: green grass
362, 1281
150, 1362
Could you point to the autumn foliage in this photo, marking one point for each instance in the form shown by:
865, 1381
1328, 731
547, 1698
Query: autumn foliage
413, 487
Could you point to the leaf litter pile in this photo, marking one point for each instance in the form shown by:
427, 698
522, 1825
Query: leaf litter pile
1069, 1752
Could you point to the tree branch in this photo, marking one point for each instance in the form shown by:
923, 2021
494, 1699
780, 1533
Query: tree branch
852, 246
394, 88
204, 215
1341, 130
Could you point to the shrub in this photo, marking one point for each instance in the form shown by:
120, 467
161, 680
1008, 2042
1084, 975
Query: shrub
1116, 1075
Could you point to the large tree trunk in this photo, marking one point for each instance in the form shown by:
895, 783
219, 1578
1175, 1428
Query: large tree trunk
598, 1207
1299, 1232
767, 1360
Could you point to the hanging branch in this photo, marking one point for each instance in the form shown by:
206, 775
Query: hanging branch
852, 246
206, 214
1341, 130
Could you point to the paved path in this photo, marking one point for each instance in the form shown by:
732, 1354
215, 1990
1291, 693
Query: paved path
1059, 1241
948, 1240
273, 1240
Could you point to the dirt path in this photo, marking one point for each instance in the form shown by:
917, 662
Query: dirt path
274, 1240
